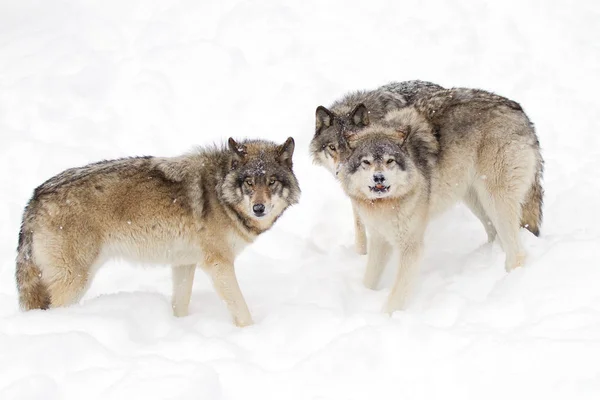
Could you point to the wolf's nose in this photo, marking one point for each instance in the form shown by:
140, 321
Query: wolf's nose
258, 209
378, 178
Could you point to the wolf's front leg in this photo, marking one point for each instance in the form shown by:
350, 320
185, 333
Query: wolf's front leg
226, 285
379, 254
360, 235
183, 279
410, 257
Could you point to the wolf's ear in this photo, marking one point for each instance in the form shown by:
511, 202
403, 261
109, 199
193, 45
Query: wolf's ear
351, 139
239, 152
402, 132
285, 152
324, 119
360, 116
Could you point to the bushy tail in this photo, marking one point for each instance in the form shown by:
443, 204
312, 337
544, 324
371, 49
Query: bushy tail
33, 293
531, 213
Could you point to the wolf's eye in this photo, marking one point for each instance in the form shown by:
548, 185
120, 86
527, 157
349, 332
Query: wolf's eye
366, 162
248, 182
391, 160
332, 147
272, 181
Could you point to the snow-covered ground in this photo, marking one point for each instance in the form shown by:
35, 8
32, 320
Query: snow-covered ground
84, 80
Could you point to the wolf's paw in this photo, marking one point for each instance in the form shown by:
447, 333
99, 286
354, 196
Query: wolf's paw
360, 248
513, 263
370, 283
180, 312
388, 309
394, 304
242, 322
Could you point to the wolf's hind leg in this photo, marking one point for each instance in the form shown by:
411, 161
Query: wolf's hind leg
66, 283
360, 235
471, 200
504, 209
183, 280
511, 172
67, 265
379, 254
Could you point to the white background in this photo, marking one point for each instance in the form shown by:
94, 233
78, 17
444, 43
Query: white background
84, 80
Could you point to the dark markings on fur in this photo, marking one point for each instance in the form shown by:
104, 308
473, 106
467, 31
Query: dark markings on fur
206, 206
177, 190
74, 175
438, 103
245, 221
401, 163
412, 90
422, 154
532, 214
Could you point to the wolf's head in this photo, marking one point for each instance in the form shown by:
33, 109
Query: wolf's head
260, 183
328, 147
388, 159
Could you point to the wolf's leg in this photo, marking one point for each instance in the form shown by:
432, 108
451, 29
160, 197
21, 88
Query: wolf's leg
504, 209
67, 280
66, 283
226, 285
476, 208
360, 235
379, 254
66, 264
183, 280
410, 255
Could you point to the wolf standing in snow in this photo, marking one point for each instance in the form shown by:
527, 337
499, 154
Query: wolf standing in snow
457, 144
201, 209
348, 115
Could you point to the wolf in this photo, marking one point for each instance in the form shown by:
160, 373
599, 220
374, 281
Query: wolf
200, 209
456, 145
353, 112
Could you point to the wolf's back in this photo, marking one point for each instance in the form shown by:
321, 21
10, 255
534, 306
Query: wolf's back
386, 98
412, 90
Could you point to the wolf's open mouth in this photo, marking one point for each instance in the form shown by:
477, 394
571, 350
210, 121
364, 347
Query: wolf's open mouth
379, 188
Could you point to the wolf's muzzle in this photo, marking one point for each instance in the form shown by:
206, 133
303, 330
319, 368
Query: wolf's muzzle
380, 186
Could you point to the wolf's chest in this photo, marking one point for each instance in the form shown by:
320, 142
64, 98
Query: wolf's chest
236, 243
393, 222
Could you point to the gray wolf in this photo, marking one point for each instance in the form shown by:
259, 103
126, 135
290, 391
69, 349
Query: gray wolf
201, 209
353, 112
456, 145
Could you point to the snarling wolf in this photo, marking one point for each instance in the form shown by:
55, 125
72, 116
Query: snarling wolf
199, 209
353, 112
456, 145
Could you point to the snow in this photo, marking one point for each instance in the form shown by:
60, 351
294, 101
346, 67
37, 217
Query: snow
86, 80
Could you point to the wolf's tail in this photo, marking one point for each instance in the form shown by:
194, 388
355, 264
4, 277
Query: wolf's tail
33, 293
531, 212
